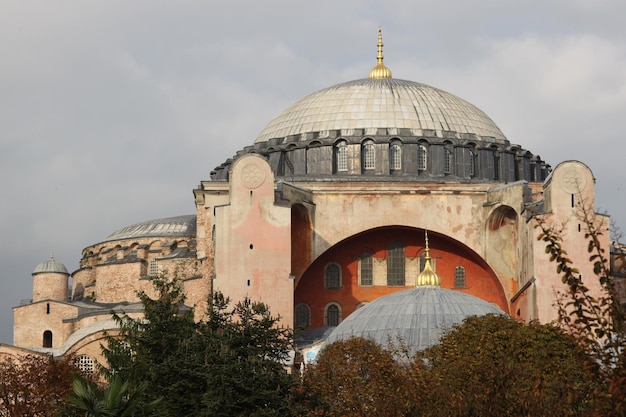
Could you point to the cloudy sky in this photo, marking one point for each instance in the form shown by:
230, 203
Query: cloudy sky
112, 112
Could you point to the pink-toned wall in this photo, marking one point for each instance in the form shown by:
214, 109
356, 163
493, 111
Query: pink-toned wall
569, 192
253, 241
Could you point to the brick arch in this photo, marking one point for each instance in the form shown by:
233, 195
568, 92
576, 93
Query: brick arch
449, 253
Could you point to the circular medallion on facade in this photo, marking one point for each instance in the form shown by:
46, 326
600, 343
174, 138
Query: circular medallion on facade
573, 181
252, 176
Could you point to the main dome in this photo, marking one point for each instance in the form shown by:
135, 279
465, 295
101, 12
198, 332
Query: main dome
370, 104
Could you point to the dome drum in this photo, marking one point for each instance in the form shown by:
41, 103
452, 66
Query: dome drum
449, 158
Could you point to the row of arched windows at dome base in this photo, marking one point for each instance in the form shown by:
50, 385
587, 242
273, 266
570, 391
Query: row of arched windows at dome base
395, 157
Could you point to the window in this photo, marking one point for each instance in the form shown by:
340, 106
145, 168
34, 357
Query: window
395, 264
395, 157
422, 159
154, 268
341, 156
472, 164
303, 316
459, 277
47, 339
332, 316
447, 161
332, 276
85, 364
369, 155
496, 164
367, 272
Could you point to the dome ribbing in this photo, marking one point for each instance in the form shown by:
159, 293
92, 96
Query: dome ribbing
417, 317
370, 104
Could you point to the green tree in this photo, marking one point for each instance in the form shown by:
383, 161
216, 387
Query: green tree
34, 385
496, 366
88, 399
245, 356
229, 364
160, 350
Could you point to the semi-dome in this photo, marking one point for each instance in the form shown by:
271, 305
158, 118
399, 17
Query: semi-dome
167, 227
417, 317
384, 103
50, 266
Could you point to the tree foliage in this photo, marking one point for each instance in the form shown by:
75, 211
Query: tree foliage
596, 320
496, 366
245, 353
357, 377
159, 349
486, 366
34, 385
90, 399
229, 364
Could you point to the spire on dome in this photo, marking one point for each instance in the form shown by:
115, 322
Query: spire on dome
380, 70
427, 276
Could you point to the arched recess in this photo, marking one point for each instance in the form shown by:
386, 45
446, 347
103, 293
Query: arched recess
47, 339
502, 241
300, 239
481, 280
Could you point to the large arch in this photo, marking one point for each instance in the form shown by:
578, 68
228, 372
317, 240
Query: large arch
448, 254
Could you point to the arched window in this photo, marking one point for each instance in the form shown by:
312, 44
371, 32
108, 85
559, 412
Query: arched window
395, 264
332, 315
332, 276
447, 161
459, 277
47, 339
303, 316
395, 157
496, 165
472, 164
369, 155
341, 156
85, 364
367, 271
422, 157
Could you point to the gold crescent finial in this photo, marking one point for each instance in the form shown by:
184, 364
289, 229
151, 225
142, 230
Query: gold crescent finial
380, 70
427, 276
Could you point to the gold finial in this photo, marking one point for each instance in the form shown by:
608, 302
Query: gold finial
380, 70
427, 276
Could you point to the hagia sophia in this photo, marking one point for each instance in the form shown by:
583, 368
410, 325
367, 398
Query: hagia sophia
349, 195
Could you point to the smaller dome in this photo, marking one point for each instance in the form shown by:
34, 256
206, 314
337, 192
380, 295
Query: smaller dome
417, 317
50, 266
167, 227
